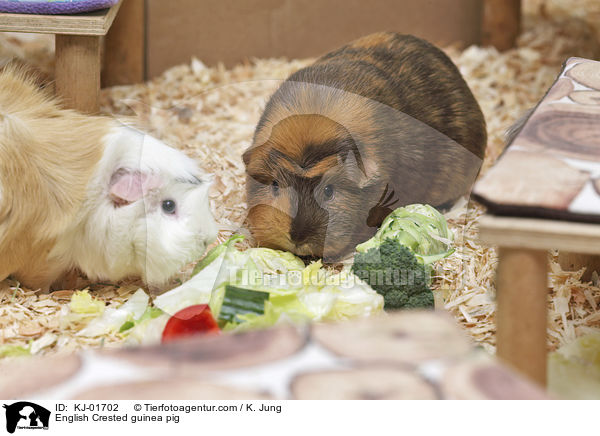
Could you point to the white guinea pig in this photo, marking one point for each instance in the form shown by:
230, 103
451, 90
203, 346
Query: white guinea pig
87, 192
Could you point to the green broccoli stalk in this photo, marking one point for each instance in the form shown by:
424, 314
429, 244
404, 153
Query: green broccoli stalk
394, 272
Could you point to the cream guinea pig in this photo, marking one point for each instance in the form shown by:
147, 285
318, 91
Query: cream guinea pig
87, 192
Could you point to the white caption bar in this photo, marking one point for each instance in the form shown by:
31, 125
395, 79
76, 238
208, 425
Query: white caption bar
88, 418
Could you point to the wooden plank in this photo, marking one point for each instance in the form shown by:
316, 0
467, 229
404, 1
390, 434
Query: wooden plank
125, 46
501, 23
540, 234
522, 179
551, 167
92, 23
77, 71
521, 313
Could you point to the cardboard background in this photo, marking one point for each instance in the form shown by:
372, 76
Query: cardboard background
231, 31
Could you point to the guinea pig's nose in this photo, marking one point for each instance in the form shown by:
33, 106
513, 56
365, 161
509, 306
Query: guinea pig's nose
299, 233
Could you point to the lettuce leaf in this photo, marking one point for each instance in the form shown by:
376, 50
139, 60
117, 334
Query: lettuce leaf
267, 260
83, 302
297, 293
279, 309
112, 319
322, 295
574, 369
150, 313
419, 227
147, 331
13, 351
216, 252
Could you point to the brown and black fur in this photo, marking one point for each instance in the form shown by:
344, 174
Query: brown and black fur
384, 121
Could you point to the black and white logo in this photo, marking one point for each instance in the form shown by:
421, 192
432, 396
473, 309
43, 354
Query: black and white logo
26, 415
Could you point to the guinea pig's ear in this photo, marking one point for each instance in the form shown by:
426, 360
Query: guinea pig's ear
128, 186
364, 170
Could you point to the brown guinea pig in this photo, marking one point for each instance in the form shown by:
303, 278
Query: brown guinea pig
382, 122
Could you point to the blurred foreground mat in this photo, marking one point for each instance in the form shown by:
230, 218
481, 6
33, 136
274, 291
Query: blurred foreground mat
405, 355
552, 167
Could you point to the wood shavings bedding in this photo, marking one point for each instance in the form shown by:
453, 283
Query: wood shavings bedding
210, 113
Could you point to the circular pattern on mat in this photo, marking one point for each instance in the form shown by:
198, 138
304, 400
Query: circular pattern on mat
586, 97
369, 383
561, 88
586, 73
169, 389
567, 128
486, 380
24, 376
409, 337
219, 352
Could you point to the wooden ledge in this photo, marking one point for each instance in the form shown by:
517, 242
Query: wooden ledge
94, 23
540, 234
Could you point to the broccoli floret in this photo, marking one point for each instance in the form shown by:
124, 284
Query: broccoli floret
395, 273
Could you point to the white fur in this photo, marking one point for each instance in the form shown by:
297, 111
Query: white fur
109, 242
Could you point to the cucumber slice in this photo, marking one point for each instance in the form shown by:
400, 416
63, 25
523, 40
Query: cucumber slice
239, 301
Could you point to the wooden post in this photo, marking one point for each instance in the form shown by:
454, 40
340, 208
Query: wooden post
501, 23
77, 71
125, 46
521, 314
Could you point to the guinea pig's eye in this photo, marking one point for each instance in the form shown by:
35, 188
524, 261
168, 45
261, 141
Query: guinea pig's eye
169, 206
275, 187
328, 191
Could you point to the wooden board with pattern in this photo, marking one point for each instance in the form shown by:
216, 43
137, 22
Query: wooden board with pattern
551, 169
416, 355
